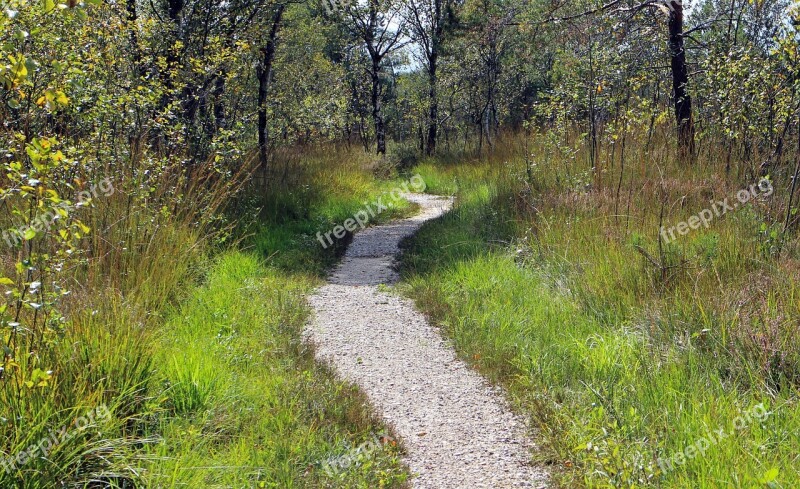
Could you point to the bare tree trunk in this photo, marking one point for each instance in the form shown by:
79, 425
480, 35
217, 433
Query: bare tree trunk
592, 114
492, 70
377, 112
433, 127
791, 193
437, 32
680, 81
264, 74
174, 9
381, 36
487, 117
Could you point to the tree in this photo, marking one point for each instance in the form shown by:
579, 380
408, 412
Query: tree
428, 21
264, 75
680, 81
674, 9
380, 26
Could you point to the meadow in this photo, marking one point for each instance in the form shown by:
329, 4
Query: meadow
200, 371
640, 363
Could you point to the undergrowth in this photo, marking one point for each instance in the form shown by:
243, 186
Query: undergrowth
628, 357
177, 357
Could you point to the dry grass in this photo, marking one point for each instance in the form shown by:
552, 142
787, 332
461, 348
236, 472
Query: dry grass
622, 348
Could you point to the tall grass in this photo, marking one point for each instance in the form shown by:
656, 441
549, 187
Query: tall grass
316, 192
94, 349
623, 350
245, 404
194, 351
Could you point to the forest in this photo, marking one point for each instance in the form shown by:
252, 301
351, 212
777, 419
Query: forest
592, 204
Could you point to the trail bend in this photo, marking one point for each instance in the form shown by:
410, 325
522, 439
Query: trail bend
457, 429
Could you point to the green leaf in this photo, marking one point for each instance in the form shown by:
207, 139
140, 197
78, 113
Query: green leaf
770, 476
29, 234
6, 281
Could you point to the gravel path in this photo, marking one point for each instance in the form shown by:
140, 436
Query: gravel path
458, 431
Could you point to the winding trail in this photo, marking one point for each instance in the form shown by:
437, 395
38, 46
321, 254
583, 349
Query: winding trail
458, 430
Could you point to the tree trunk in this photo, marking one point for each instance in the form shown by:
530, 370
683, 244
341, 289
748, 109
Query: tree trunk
264, 74
433, 117
592, 110
133, 36
377, 112
680, 81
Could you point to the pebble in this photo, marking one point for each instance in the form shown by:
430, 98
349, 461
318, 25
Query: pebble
458, 431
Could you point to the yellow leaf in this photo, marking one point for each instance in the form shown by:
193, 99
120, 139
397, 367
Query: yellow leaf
61, 98
19, 71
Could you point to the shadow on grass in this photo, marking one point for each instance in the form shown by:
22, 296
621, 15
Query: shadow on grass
286, 232
470, 230
291, 221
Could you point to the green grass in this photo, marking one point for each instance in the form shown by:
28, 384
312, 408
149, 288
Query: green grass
195, 349
546, 292
245, 404
328, 188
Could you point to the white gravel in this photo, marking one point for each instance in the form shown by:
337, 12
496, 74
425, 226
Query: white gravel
458, 430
